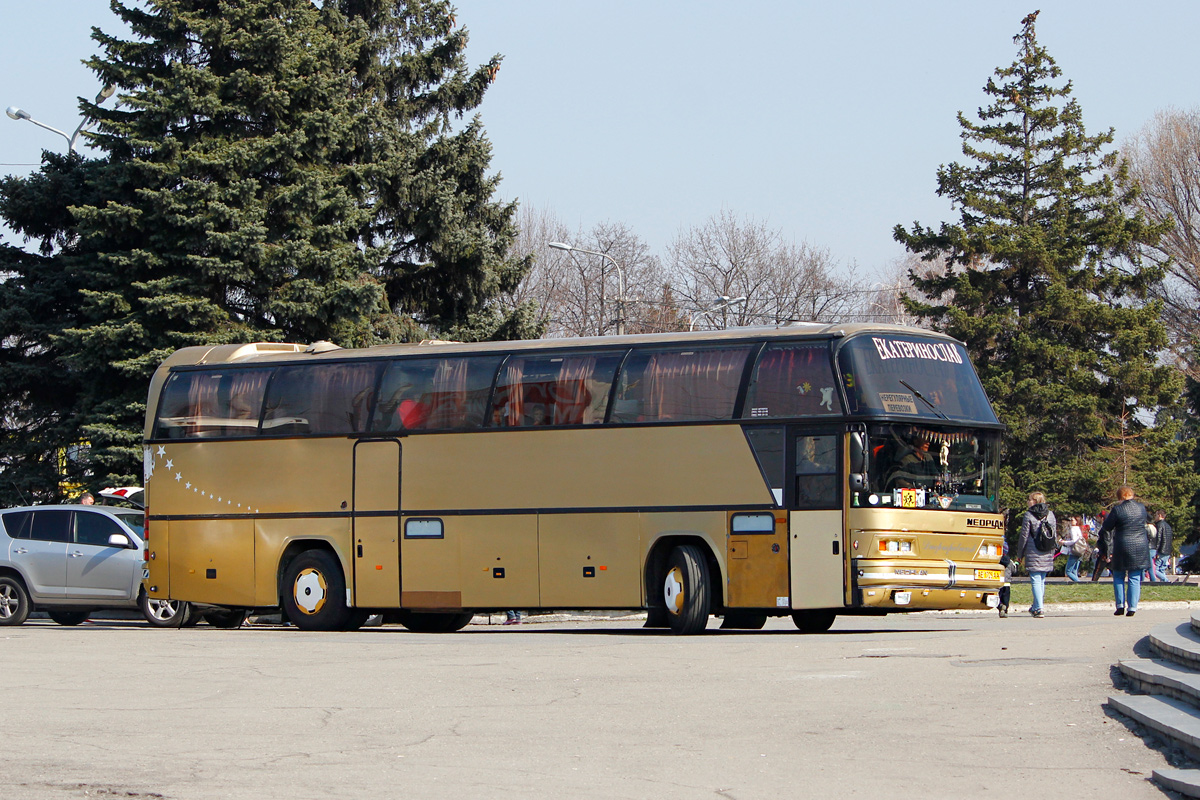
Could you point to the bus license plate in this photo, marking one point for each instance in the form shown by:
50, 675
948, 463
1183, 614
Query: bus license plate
989, 574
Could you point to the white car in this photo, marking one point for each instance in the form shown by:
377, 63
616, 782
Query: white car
70, 560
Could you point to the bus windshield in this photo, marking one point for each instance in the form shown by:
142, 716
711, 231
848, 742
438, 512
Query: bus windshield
910, 376
922, 466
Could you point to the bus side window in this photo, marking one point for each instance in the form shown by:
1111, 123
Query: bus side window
680, 385
211, 404
793, 381
554, 390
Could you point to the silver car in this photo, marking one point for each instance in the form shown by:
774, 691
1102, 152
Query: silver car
72, 560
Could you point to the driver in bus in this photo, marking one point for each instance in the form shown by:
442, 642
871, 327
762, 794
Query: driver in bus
918, 463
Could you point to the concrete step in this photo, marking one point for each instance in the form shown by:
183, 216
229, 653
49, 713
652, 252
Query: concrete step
1184, 781
1156, 676
1178, 642
1174, 720
1196, 619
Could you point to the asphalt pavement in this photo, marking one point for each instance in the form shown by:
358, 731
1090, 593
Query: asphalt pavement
934, 705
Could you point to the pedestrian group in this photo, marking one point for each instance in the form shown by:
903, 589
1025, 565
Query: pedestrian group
1128, 545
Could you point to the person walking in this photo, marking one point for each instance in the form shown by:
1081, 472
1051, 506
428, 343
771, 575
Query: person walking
1161, 566
1069, 549
1124, 545
1005, 590
1037, 545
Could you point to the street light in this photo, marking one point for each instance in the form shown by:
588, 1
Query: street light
620, 279
21, 114
722, 303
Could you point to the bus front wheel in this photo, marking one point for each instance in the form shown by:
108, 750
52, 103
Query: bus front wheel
314, 592
686, 590
814, 621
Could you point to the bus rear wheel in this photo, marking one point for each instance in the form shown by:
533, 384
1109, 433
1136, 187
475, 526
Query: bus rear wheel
314, 592
687, 590
814, 620
433, 622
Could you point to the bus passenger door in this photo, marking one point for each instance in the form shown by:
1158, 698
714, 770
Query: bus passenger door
815, 498
376, 523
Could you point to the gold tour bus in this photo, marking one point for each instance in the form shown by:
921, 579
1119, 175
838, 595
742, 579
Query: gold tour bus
806, 471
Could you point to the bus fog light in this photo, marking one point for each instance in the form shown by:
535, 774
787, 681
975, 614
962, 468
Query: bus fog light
902, 598
992, 600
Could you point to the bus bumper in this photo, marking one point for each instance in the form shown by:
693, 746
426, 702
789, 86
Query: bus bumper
926, 585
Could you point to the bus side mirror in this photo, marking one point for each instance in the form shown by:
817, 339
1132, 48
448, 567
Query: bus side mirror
858, 461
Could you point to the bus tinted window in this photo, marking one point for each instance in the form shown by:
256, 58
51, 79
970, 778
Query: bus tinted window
435, 393
215, 403
554, 390
909, 376
793, 380
679, 385
320, 399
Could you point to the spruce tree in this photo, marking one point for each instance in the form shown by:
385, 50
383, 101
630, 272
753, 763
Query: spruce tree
273, 170
1045, 286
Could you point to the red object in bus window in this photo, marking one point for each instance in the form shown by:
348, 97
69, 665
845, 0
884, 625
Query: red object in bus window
412, 414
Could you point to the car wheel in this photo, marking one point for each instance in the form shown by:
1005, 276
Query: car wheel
686, 590
165, 613
433, 622
314, 592
14, 602
814, 621
226, 618
69, 617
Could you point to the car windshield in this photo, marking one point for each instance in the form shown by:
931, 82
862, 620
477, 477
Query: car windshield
934, 467
132, 520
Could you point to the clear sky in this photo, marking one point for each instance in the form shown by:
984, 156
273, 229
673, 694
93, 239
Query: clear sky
826, 120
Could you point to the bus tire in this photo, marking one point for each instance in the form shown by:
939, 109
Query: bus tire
358, 618
314, 592
69, 618
14, 601
432, 621
686, 590
166, 613
743, 621
228, 618
814, 620
656, 617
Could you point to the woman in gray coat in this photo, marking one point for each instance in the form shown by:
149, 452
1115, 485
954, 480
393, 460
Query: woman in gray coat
1038, 563
1123, 541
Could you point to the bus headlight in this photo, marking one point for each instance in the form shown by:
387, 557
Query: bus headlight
989, 551
895, 546
901, 598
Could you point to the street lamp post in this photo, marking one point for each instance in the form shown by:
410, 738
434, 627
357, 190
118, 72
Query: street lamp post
620, 279
722, 303
21, 114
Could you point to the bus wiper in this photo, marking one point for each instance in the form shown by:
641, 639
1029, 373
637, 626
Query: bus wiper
925, 399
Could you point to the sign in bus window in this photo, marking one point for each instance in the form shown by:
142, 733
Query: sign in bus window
423, 529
